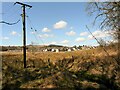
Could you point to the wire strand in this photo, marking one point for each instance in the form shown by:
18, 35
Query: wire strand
9, 23
8, 10
34, 30
100, 44
11, 15
97, 40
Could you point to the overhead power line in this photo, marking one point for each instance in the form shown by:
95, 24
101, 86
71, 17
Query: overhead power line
8, 9
97, 41
103, 47
34, 30
10, 14
9, 23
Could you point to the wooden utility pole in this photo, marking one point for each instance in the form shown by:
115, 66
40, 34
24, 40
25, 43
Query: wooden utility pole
24, 30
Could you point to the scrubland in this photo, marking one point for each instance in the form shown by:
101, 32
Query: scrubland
83, 69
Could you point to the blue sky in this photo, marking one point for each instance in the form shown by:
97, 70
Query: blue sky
55, 23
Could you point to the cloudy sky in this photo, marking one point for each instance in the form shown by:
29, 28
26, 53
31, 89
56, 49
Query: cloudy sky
50, 23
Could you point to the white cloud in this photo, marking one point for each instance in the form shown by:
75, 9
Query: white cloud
45, 35
83, 33
99, 34
80, 39
90, 37
64, 41
46, 30
53, 42
33, 32
59, 25
5, 38
13, 33
71, 33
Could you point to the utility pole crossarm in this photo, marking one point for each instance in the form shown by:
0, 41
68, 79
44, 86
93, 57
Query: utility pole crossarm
23, 4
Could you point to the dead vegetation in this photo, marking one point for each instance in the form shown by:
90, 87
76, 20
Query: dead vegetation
88, 69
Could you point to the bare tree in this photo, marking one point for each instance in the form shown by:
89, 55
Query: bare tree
108, 14
102, 42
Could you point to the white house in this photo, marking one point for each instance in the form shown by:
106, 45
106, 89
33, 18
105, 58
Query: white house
69, 50
53, 50
57, 50
74, 49
45, 50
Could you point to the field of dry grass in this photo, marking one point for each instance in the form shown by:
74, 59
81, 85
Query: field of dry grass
84, 69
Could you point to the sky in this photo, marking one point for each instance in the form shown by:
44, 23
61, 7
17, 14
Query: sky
60, 23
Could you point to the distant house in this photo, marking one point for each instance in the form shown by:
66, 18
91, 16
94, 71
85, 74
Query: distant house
86, 47
45, 50
94, 47
57, 50
60, 49
69, 50
74, 49
53, 50
63, 49
48, 49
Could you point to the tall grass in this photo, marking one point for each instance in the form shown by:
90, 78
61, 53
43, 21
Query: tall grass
85, 69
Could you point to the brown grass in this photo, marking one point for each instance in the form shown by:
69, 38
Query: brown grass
82, 69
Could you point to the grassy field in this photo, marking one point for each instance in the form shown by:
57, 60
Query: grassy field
83, 69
